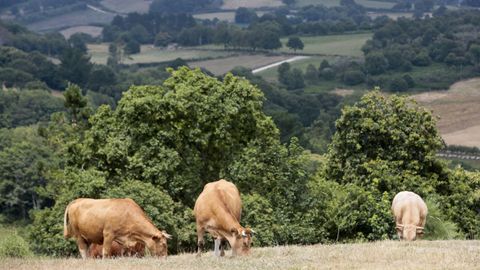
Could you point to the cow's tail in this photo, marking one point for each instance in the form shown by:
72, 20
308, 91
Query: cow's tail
66, 233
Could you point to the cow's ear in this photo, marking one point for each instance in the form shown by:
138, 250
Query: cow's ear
157, 237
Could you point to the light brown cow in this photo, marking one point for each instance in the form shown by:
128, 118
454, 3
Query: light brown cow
103, 221
117, 250
218, 210
410, 213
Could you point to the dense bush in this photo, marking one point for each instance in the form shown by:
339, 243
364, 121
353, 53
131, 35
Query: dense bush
353, 77
13, 245
398, 84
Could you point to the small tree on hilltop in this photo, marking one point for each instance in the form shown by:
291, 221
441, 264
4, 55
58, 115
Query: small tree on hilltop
295, 43
388, 143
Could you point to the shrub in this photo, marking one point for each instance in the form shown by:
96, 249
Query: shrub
398, 84
438, 226
422, 60
353, 77
409, 79
13, 245
327, 74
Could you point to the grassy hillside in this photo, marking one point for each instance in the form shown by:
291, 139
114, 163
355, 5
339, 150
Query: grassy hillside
378, 255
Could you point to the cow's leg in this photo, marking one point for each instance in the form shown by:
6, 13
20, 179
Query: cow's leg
200, 241
107, 245
82, 247
218, 243
222, 247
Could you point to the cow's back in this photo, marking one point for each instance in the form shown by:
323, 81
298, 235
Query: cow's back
89, 217
409, 205
218, 196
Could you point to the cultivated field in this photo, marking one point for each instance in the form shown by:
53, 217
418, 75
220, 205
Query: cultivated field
149, 54
126, 6
458, 110
75, 18
234, 4
94, 31
348, 44
223, 65
379, 255
228, 16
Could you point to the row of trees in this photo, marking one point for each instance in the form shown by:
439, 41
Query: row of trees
161, 144
403, 43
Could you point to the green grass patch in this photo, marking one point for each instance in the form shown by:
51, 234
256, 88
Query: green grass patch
347, 44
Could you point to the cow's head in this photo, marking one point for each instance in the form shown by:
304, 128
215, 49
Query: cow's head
242, 240
158, 244
409, 232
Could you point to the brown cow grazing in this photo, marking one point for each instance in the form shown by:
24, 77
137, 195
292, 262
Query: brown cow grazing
218, 210
117, 250
104, 221
410, 213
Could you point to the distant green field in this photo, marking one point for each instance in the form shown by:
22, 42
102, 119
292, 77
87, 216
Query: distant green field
332, 3
348, 44
99, 54
75, 18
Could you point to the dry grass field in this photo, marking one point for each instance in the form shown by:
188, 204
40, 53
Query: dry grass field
378, 255
458, 110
